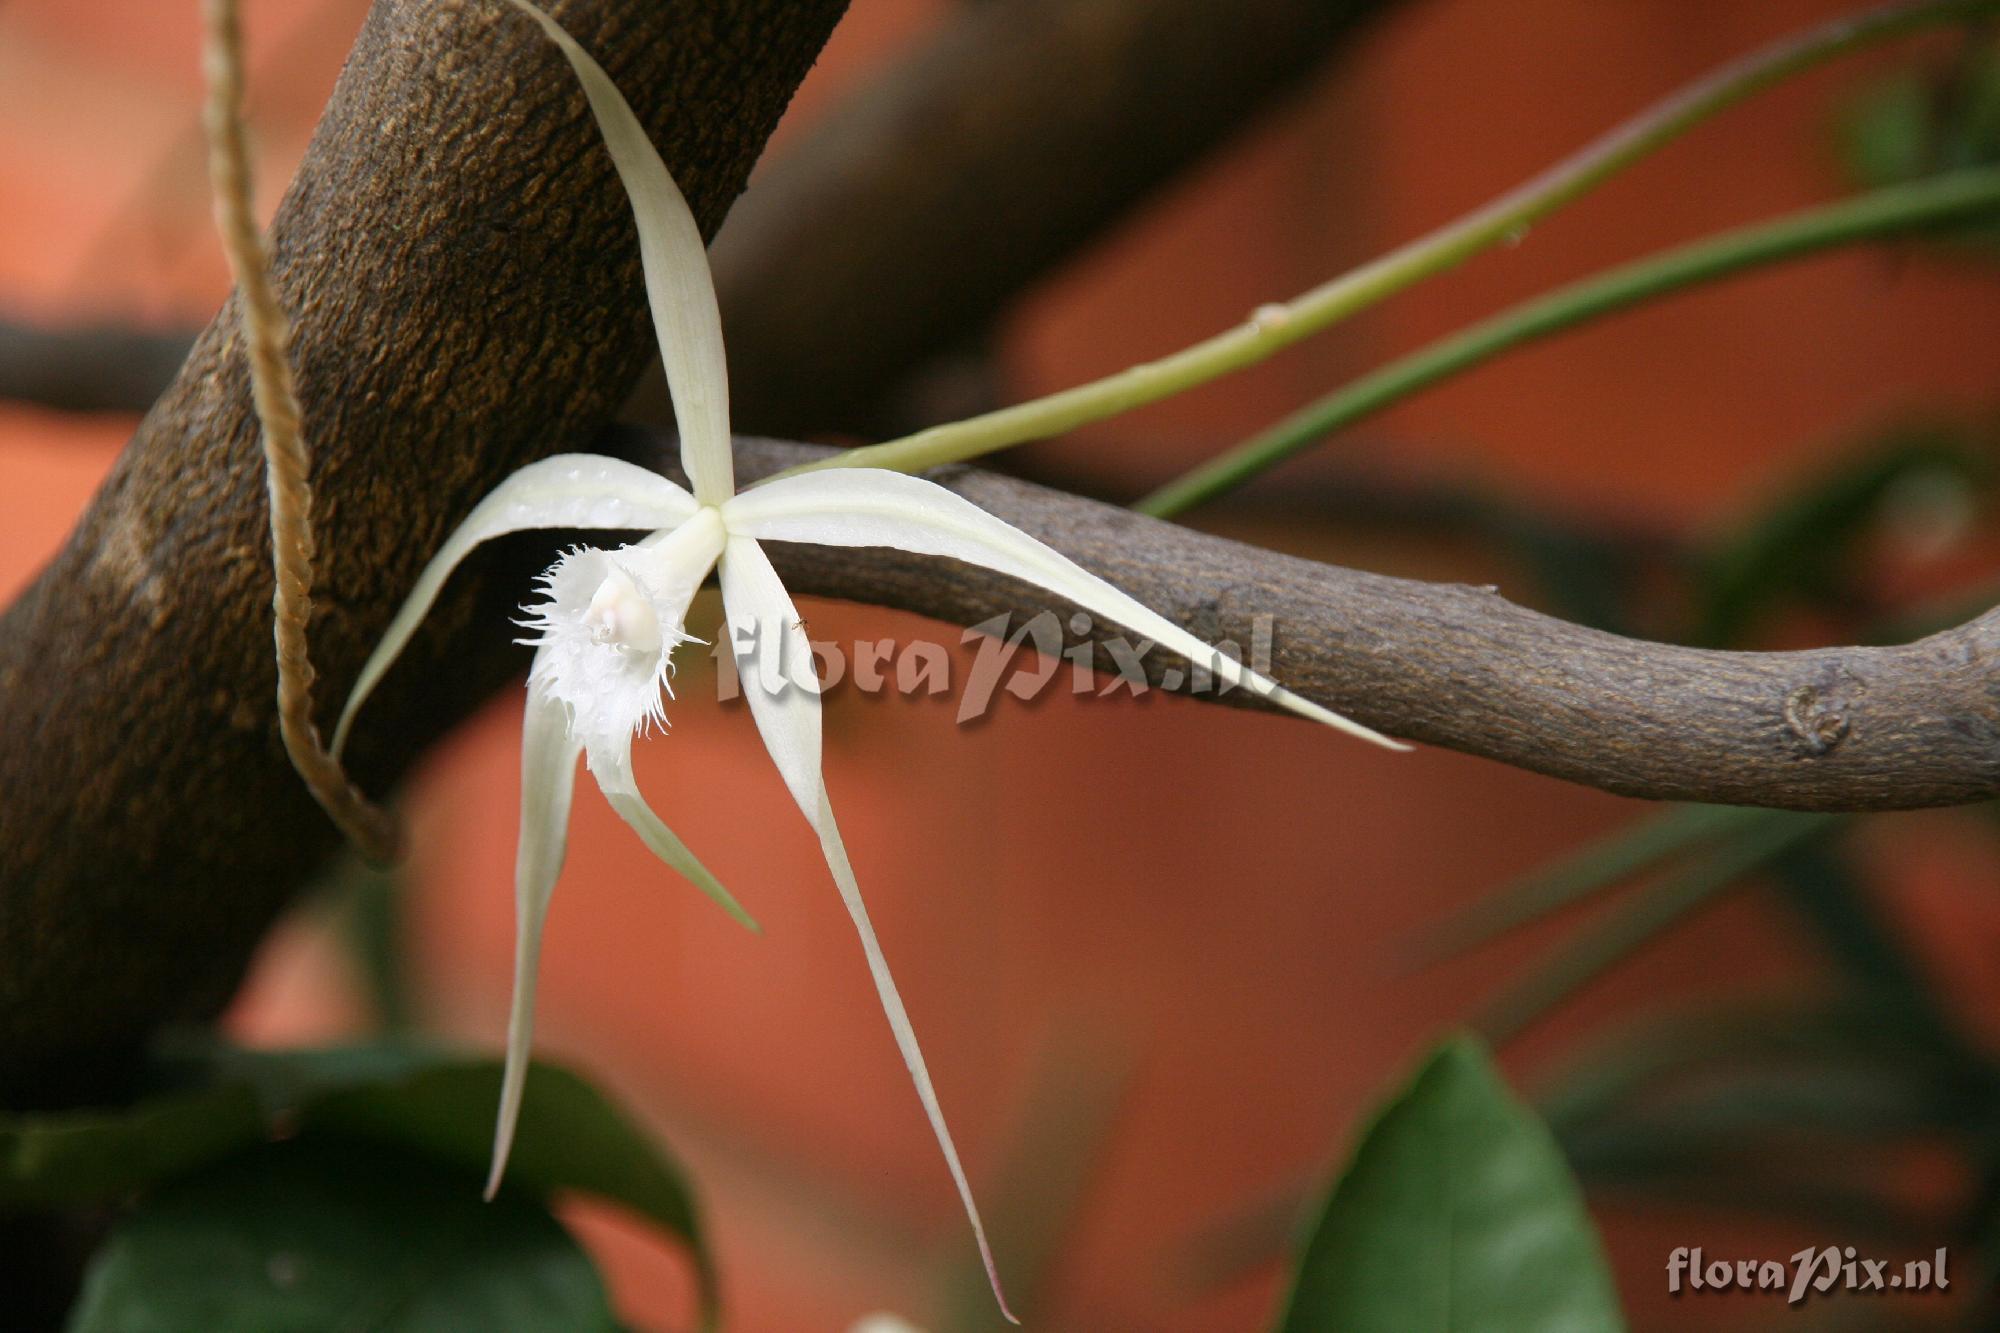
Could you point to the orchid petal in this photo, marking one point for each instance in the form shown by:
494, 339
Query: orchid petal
677, 279
566, 491
874, 507
611, 765
548, 779
787, 714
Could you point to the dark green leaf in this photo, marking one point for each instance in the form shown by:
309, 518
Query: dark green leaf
1457, 1213
86, 1156
1827, 889
286, 1081
394, 1093
570, 1137
1638, 1063
303, 1237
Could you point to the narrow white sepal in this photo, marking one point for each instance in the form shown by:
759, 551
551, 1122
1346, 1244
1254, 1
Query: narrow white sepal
874, 507
760, 612
548, 780
677, 280
611, 765
784, 693
566, 491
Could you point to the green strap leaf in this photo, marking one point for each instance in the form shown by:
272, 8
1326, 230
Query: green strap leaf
1456, 1213
1642, 846
1649, 913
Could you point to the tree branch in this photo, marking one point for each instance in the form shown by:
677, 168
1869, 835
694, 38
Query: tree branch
460, 262
462, 267
906, 221
87, 367
1461, 667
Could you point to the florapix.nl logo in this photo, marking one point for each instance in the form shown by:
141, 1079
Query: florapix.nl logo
1044, 652
1813, 1271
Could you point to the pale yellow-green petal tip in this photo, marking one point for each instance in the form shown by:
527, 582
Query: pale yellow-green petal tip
498, 1169
1306, 708
727, 902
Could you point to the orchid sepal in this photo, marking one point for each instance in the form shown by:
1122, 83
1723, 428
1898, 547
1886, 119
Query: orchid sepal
563, 491
873, 507
674, 259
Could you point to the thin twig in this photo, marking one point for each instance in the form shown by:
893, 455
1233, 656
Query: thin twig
1271, 328
1895, 209
267, 335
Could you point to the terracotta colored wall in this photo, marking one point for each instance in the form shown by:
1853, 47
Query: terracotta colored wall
1205, 907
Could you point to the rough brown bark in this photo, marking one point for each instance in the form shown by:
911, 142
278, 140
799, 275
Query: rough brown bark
908, 219
462, 268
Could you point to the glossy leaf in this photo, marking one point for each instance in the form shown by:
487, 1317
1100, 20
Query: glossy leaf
1456, 1213
315, 1236
399, 1095
570, 1138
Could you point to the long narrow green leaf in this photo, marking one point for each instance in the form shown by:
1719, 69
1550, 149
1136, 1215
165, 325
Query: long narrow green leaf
1828, 892
1802, 547
1896, 209
1056, 1149
1633, 1064
1650, 911
1645, 845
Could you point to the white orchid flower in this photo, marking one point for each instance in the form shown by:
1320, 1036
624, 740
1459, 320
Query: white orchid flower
610, 620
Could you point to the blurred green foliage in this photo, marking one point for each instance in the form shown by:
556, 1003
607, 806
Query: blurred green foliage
318, 1234
192, 1153
1924, 121
1456, 1212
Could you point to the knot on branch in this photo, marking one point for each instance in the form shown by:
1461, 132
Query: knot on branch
1818, 721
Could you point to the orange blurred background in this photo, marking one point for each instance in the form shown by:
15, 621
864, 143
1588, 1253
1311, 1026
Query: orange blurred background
1154, 949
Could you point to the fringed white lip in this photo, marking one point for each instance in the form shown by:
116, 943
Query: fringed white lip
611, 619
